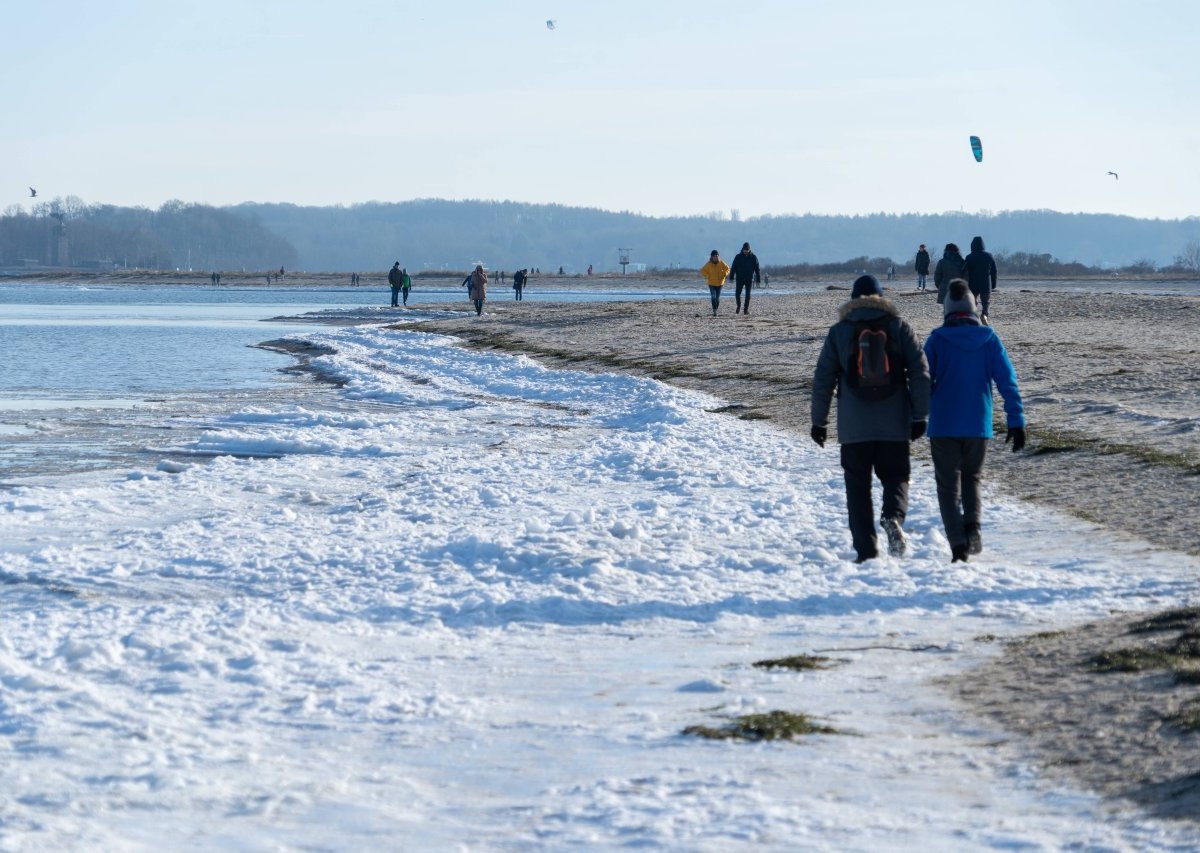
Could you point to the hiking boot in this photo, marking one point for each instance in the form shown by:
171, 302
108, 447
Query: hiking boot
862, 558
974, 539
959, 553
897, 544
983, 319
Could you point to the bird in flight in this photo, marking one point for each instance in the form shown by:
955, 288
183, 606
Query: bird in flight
32, 192
551, 24
1114, 174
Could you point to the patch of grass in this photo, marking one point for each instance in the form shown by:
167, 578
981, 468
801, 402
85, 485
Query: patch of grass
987, 638
796, 662
1047, 440
755, 416
1186, 718
773, 725
1186, 676
1187, 645
1033, 638
1169, 620
1133, 660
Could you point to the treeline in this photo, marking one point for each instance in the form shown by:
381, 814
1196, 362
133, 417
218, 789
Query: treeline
1013, 264
68, 233
432, 234
435, 235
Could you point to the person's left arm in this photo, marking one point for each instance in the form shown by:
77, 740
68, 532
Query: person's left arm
916, 370
1002, 372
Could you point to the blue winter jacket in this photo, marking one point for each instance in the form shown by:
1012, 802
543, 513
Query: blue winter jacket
964, 361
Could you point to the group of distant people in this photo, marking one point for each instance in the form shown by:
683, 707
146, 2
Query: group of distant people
476, 283
892, 391
400, 283
745, 271
978, 269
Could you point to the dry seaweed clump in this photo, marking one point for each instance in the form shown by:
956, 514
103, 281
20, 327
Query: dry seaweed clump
1187, 718
796, 662
1169, 620
1177, 655
773, 725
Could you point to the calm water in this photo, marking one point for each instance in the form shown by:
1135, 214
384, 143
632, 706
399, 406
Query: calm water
94, 376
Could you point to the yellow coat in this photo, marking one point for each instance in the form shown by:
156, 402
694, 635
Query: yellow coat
715, 274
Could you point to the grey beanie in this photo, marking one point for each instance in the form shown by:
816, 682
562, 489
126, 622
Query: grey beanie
866, 285
959, 299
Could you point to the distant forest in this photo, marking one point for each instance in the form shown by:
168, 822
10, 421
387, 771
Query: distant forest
432, 234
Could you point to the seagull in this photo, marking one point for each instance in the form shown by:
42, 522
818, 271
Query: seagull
32, 192
1114, 174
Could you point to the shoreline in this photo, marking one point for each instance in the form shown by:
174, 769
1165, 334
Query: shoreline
1111, 387
1108, 732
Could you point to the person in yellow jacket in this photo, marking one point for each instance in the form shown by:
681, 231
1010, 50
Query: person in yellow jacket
715, 272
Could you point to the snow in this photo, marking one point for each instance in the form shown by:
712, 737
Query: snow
472, 602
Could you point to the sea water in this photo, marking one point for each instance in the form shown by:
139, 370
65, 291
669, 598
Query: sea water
94, 376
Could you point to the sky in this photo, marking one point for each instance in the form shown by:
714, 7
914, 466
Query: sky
661, 107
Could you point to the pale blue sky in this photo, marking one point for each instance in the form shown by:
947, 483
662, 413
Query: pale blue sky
665, 107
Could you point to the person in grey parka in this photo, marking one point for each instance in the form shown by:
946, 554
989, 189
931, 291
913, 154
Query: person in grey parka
874, 425
950, 267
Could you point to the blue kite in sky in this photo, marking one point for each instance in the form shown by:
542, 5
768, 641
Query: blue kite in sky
977, 149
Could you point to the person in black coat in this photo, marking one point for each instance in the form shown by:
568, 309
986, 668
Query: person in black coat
744, 270
396, 280
922, 266
981, 276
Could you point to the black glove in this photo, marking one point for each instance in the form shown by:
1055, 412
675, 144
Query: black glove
819, 434
1017, 436
917, 430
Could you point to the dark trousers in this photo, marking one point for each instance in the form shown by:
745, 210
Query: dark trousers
888, 460
958, 469
714, 295
517, 292
395, 296
478, 306
737, 295
983, 297
404, 295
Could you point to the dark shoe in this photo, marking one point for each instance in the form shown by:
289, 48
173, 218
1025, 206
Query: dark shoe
959, 553
897, 545
862, 558
974, 539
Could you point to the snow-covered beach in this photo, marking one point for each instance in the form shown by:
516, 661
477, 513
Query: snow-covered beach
470, 601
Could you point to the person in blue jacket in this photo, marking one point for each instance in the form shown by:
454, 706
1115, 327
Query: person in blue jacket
966, 358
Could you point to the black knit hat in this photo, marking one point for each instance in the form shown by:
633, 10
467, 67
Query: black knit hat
745, 246
866, 285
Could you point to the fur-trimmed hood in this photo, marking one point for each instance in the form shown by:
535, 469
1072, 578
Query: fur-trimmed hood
873, 303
